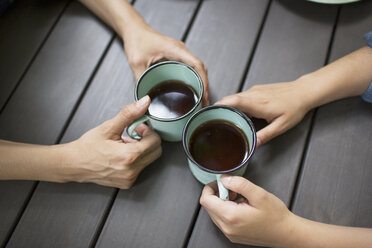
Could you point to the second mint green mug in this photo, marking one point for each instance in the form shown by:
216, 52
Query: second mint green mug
218, 112
169, 129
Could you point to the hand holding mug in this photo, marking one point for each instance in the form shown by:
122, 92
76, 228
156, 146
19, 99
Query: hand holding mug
145, 47
259, 219
104, 157
218, 139
282, 105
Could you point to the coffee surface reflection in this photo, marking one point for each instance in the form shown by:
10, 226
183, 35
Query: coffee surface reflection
172, 99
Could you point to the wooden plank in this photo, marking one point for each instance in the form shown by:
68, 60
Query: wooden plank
20, 40
44, 100
223, 36
294, 41
69, 215
41, 105
335, 186
12, 199
159, 210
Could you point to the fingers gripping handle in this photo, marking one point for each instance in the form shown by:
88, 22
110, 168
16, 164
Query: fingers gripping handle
131, 127
224, 193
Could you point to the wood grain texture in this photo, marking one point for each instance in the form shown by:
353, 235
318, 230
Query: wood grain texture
20, 40
12, 198
335, 186
206, 233
68, 215
355, 20
42, 103
158, 210
294, 41
222, 37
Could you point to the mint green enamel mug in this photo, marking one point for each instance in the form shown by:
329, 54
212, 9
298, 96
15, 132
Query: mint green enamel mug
218, 112
169, 129
334, 1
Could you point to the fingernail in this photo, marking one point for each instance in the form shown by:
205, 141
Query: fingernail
226, 179
143, 101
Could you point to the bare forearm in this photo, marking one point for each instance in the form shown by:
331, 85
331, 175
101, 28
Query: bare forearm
32, 162
119, 14
314, 234
346, 77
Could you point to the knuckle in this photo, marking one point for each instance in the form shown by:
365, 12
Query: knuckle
157, 139
157, 154
232, 239
122, 156
234, 219
199, 64
139, 149
181, 43
131, 158
118, 167
135, 60
227, 217
125, 186
160, 151
228, 232
264, 137
131, 176
230, 218
202, 200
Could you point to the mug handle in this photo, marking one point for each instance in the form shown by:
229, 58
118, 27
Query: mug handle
132, 126
224, 193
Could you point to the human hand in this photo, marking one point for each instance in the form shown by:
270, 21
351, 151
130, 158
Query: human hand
144, 47
260, 219
282, 105
104, 157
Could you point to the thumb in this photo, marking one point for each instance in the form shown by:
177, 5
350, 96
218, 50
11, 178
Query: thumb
129, 114
253, 193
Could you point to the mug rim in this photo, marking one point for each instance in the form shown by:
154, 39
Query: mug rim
246, 118
182, 116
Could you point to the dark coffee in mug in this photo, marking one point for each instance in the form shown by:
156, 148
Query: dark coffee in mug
172, 99
218, 145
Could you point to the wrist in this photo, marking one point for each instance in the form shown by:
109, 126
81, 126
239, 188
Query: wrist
72, 164
134, 32
131, 28
294, 231
58, 163
310, 92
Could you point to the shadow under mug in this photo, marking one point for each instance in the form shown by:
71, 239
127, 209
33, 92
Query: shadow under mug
218, 112
169, 129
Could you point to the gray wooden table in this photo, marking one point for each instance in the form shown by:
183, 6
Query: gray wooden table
62, 72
